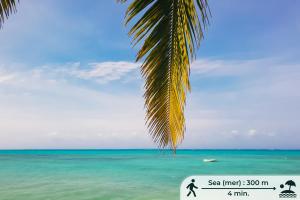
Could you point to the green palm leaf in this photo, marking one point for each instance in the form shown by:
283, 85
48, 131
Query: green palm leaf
170, 31
6, 8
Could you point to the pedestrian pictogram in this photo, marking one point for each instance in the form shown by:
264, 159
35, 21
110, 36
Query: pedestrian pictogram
191, 187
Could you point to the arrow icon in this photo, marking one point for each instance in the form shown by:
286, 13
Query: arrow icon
273, 188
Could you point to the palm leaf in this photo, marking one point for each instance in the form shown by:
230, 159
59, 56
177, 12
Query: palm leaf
7, 7
169, 31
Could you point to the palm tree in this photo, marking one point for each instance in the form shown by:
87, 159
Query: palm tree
6, 8
169, 32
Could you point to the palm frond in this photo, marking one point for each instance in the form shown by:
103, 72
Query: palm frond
7, 7
171, 30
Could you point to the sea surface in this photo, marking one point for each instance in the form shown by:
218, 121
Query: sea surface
126, 174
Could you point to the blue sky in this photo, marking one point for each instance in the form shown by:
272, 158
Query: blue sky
68, 78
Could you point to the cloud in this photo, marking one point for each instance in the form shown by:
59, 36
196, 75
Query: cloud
4, 78
105, 72
252, 132
5, 75
234, 132
100, 72
39, 110
55, 106
227, 67
255, 105
53, 75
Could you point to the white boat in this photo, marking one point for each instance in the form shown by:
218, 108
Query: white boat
209, 160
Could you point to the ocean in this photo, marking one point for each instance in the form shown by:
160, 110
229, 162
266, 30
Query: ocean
126, 174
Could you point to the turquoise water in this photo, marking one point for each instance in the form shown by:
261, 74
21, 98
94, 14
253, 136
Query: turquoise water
125, 174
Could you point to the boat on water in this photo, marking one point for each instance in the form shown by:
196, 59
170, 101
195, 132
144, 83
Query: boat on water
209, 160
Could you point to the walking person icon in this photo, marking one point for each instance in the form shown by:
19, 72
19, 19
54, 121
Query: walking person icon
191, 187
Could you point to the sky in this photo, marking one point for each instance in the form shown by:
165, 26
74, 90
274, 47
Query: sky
68, 78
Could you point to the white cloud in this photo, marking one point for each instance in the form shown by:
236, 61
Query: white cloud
5, 76
104, 72
64, 115
260, 109
235, 132
45, 108
53, 134
252, 132
218, 67
100, 72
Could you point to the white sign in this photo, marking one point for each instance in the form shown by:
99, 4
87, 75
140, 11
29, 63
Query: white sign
240, 187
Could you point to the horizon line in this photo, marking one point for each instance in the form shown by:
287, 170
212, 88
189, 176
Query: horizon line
88, 149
